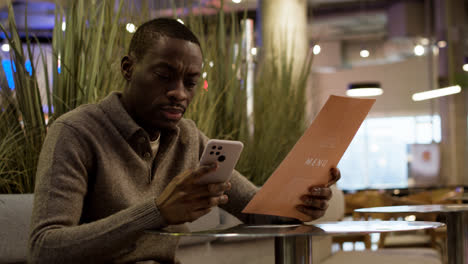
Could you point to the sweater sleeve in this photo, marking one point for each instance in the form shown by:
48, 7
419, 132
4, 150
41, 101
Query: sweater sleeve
57, 235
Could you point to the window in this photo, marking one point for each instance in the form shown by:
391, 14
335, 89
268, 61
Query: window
8, 66
377, 157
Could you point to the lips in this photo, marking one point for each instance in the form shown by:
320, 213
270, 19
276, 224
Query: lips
173, 112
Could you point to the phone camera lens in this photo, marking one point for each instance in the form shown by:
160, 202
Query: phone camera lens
221, 158
220, 148
214, 147
211, 153
217, 153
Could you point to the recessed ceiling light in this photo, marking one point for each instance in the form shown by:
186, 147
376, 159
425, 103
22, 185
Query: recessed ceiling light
419, 50
442, 44
424, 41
316, 50
364, 53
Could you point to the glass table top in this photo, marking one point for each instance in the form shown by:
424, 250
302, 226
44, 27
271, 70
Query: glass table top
431, 208
325, 228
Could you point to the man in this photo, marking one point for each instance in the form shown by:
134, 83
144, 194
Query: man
110, 171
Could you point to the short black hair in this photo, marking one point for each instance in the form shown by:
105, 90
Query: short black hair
152, 30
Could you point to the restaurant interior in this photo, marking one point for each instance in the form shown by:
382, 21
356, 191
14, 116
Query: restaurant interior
412, 148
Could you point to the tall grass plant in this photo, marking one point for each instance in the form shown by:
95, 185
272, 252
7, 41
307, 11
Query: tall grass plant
86, 66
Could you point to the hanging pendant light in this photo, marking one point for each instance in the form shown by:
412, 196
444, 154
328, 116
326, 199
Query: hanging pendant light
436, 93
364, 89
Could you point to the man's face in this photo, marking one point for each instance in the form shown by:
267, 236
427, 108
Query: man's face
162, 83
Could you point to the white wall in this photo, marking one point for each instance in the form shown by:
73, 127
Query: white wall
399, 81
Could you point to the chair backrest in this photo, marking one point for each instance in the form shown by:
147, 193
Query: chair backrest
336, 207
321, 245
15, 218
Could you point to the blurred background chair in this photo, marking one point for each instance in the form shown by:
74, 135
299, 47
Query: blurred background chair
430, 239
361, 199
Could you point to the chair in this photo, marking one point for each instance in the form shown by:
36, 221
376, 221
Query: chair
361, 199
429, 238
386, 256
15, 218
373, 198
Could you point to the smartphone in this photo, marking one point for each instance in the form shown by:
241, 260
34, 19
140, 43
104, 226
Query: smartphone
226, 153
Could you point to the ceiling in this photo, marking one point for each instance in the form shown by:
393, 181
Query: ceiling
331, 18
349, 22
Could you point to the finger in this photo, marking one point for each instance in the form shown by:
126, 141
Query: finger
323, 192
209, 202
312, 213
208, 190
194, 215
313, 202
219, 188
335, 175
224, 199
203, 170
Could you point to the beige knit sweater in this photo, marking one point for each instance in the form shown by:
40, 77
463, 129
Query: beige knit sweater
96, 187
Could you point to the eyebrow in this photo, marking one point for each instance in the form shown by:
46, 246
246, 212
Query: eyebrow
165, 65
172, 68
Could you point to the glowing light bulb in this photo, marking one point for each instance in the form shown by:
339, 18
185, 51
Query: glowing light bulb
131, 28
424, 41
364, 53
442, 44
410, 218
6, 47
316, 50
253, 51
418, 50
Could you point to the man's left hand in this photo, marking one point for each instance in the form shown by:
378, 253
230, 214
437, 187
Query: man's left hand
315, 202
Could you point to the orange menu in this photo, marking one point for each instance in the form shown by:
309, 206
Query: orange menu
309, 162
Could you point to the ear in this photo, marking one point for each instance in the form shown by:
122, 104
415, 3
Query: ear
126, 67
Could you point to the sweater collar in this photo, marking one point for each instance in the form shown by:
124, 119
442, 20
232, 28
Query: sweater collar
113, 108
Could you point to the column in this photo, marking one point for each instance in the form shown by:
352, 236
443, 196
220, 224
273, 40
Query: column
284, 29
453, 108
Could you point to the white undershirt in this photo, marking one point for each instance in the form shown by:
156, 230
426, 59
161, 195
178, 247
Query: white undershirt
155, 146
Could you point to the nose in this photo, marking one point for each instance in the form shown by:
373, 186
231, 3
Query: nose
178, 93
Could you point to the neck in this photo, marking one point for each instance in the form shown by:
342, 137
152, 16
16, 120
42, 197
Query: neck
153, 133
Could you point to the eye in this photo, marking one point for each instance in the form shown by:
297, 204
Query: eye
162, 76
190, 84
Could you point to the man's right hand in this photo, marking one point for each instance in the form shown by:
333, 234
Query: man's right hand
184, 200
